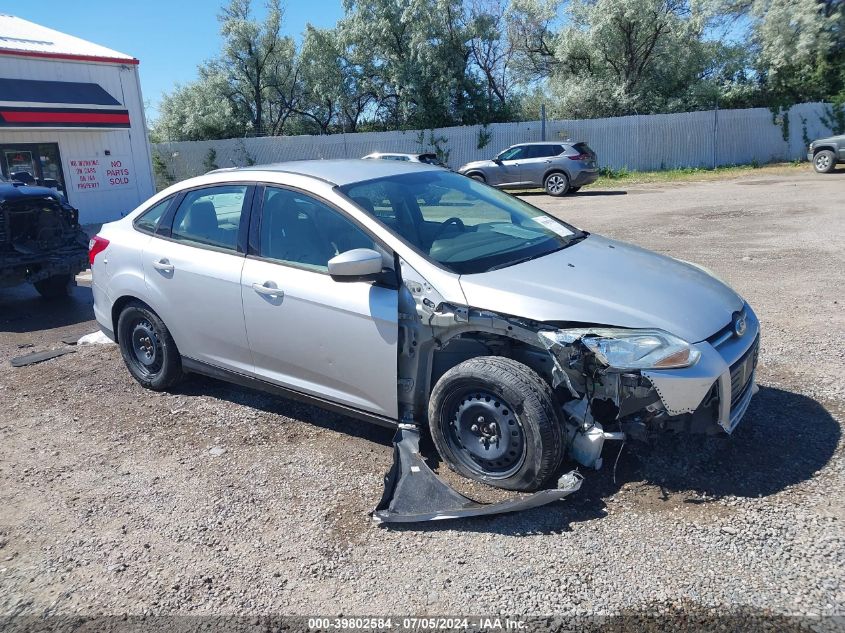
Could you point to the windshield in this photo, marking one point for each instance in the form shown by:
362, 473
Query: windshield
460, 223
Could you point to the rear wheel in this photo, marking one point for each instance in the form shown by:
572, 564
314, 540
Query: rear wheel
493, 419
54, 287
556, 184
147, 348
478, 177
824, 161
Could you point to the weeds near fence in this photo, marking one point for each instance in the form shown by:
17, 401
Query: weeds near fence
616, 177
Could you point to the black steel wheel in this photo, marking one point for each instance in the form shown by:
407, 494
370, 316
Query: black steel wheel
493, 419
485, 434
148, 350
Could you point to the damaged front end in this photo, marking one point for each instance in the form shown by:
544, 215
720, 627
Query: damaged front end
612, 383
628, 383
40, 237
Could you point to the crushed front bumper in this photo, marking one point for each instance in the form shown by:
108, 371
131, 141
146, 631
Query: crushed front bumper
727, 365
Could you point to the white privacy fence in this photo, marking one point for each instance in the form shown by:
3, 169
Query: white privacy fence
657, 141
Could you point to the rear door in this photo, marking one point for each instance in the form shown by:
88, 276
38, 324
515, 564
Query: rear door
329, 339
539, 157
192, 269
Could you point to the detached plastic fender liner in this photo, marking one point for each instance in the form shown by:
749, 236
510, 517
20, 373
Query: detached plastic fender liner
412, 492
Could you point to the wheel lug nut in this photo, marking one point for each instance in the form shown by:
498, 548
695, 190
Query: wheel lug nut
474, 428
481, 419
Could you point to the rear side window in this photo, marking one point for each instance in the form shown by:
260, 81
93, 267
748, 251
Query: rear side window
544, 151
583, 148
148, 220
210, 216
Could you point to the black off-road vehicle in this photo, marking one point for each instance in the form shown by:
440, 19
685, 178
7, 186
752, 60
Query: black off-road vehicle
41, 241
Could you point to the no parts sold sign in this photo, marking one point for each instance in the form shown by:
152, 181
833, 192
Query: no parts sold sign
93, 174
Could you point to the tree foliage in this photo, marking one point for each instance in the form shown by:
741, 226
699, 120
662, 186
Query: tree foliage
423, 64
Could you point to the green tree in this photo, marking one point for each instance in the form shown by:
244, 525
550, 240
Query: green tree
256, 60
615, 57
198, 111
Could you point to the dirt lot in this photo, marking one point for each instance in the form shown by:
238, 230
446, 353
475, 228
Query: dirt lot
112, 503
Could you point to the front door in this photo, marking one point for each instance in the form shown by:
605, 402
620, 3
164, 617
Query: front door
334, 340
33, 164
193, 274
508, 171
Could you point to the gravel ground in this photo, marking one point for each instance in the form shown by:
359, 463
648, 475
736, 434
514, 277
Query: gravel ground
213, 499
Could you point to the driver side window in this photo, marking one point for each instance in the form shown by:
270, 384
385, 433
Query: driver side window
301, 230
514, 153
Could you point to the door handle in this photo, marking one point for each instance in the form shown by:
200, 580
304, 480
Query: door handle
164, 266
268, 291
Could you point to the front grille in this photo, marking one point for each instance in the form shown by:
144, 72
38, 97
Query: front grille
742, 371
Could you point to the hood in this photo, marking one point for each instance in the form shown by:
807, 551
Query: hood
605, 282
829, 139
475, 163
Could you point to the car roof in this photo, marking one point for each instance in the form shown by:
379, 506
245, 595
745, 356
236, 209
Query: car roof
568, 141
341, 172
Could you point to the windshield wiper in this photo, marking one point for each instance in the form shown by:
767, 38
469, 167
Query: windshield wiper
514, 262
573, 240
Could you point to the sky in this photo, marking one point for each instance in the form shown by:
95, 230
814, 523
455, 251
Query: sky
169, 37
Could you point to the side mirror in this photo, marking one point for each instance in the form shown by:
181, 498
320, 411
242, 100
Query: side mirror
359, 264
497, 160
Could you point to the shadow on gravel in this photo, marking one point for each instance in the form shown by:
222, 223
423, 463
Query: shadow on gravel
687, 615
784, 440
201, 385
584, 193
22, 309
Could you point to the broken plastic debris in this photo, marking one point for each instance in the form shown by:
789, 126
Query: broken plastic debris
412, 492
38, 357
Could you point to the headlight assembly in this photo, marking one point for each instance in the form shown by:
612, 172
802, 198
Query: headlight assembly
631, 349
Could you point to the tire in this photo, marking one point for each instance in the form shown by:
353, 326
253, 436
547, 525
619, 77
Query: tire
460, 410
147, 348
478, 177
574, 189
824, 161
556, 184
54, 287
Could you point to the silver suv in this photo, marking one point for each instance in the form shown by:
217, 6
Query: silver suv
557, 167
513, 336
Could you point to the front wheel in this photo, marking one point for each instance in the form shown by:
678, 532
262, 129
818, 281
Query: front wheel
493, 419
53, 287
824, 161
556, 184
147, 348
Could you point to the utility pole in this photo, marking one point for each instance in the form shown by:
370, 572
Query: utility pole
542, 121
716, 134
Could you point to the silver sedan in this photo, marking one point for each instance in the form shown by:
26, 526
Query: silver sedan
514, 336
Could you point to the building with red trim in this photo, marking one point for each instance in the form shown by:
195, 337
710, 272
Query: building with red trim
72, 118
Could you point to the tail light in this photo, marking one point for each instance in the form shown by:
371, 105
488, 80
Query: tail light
580, 157
96, 246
